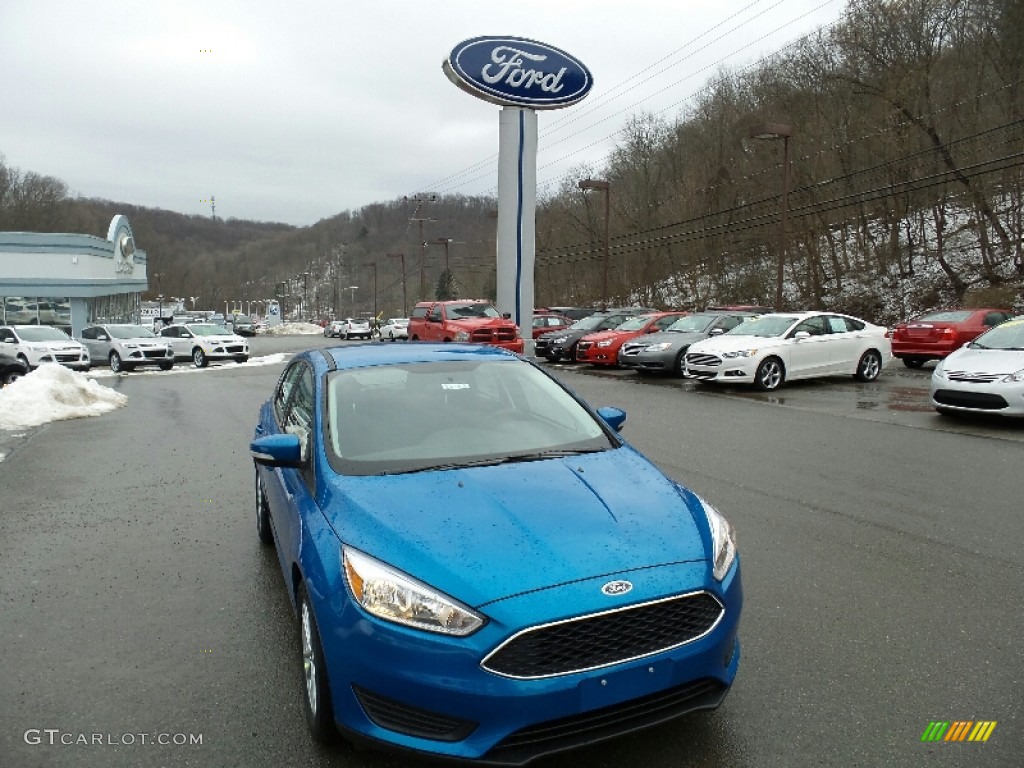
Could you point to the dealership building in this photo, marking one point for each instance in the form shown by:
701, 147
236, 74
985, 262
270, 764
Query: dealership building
71, 280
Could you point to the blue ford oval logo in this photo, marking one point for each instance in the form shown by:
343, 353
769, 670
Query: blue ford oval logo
613, 588
516, 72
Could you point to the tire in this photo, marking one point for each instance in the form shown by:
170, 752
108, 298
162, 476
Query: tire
317, 691
679, 369
166, 366
263, 528
869, 367
913, 362
128, 367
770, 374
116, 366
10, 377
199, 358
391, 336
24, 360
243, 359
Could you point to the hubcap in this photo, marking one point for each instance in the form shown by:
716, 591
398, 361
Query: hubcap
771, 376
308, 660
871, 367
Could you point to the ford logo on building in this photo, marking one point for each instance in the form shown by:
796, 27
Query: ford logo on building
613, 588
516, 72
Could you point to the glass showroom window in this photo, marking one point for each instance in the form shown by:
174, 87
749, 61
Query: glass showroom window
121, 308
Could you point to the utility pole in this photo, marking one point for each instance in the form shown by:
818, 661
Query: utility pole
213, 206
405, 298
417, 217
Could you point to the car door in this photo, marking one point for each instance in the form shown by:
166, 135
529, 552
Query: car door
808, 355
847, 343
290, 490
92, 339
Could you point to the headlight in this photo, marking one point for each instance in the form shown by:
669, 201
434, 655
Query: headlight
740, 353
606, 343
462, 336
34, 348
393, 596
560, 340
723, 536
1014, 378
131, 346
659, 347
940, 370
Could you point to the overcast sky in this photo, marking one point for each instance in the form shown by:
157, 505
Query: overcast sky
295, 112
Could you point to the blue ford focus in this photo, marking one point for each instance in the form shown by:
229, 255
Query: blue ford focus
481, 566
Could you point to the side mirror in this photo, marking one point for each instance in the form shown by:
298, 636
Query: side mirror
801, 335
716, 331
277, 451
10, 341
614, 417
102, 337
507, 315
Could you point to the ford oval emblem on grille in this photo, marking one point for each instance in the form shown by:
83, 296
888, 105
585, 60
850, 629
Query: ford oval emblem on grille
614, 588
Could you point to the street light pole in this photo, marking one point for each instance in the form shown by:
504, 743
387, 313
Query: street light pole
405, 300
605, 187
782, 131
352, 288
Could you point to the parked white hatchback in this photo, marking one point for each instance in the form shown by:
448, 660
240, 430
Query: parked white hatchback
985, 375
38, 344
203, 342
786, 346
395, 328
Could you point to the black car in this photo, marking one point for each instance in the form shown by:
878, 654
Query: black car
11, 368
243, 326
556, 345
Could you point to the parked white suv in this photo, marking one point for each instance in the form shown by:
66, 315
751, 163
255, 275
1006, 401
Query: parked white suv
126, 346
203, 342
358, 328
38, 344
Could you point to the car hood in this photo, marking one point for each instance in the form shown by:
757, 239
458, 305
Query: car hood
729, 343
985, 360
480, 322
229, 339
676, 337
485, 533
604, 335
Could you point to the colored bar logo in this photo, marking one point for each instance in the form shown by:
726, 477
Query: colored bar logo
958, 730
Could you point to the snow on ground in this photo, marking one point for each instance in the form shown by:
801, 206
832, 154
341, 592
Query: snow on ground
293, 329
51, 393
187, 367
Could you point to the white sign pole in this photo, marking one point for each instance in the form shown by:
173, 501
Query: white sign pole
517, 206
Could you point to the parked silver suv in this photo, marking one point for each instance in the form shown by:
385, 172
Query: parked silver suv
38, 344
126, 346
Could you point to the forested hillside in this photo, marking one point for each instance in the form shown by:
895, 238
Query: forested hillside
903, 124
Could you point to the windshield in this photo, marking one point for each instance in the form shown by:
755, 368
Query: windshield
692, 323
765, 325
471, 309
42, 333
208, 329
407, 418
1009, 335
588, 323
634, 323
130, 332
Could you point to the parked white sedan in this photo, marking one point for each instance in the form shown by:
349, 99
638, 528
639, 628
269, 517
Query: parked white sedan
785, 346
985, 375
395, 328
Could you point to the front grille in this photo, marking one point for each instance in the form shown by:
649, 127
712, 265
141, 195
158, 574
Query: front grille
698, 359
588, 727
396, 716
234, 349
632, 349
155, 354
976, 378
982, 400
61, 357
607, 638
584, 345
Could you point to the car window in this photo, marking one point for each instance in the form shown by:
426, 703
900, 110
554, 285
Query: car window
993, 319
664, 322
419, 312
6, 334
945, 316
812, 325
89, 333
728, 322
284, 390
838, 324
435, 314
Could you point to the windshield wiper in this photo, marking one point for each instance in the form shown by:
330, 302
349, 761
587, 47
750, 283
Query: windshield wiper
539, 456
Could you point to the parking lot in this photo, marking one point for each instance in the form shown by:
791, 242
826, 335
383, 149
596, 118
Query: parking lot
880, 545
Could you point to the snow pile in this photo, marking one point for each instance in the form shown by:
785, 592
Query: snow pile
51, 393
293, 329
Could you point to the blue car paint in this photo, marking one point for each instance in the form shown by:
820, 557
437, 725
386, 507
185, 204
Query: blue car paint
519, 561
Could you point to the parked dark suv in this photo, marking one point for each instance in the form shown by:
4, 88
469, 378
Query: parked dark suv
558, 345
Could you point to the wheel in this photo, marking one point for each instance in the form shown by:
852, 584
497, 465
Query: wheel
913, 362
243, 359
679, 369
869, 367
115, 363
263, 529
770, 374
128, 367
24, 360
10, 377
166, 366
319, 715
391, 335
199, 358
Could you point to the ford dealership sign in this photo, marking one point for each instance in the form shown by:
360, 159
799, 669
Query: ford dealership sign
516, 72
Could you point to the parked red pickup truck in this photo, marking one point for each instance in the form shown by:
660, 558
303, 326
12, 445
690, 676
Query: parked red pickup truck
469, 320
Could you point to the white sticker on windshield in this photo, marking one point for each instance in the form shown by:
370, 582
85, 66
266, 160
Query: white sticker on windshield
454, 386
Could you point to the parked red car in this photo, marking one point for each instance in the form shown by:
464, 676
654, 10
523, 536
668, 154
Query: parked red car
549, 321
602, 348
934, 335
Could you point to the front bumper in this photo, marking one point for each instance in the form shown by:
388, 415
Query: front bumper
75, 361
147, 356
430, 693
587, 352
1003, 399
